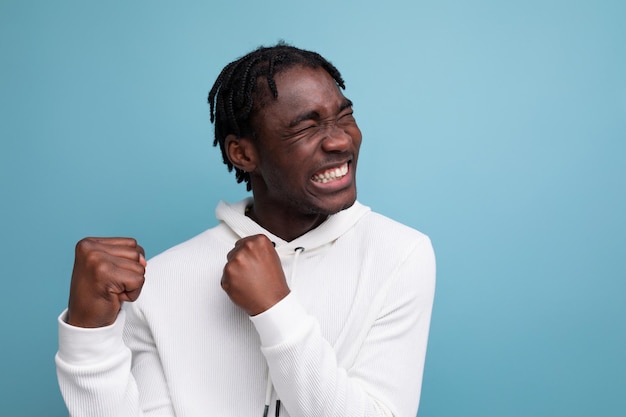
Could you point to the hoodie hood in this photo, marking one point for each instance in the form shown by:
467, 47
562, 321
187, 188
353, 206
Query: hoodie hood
233, 215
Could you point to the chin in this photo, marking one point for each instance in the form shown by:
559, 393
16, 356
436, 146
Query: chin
334, 207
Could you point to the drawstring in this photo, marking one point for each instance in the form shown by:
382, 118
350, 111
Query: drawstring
298, 250
269, 388
268, 394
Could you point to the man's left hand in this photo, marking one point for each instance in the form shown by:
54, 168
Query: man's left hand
253, 277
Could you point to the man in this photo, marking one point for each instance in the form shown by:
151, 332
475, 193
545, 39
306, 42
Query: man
324, 306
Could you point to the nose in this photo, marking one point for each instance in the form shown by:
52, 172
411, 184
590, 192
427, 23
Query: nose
336, 139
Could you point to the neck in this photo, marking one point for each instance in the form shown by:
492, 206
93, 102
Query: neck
286, 224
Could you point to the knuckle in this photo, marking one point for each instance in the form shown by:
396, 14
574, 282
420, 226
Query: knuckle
140, 281
84, 245
250, 243
135, 286
92, 257
102, 268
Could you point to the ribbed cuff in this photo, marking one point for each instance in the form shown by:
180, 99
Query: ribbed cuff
81, 346
283, 320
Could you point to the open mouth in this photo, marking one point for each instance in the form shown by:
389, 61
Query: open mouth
331, 174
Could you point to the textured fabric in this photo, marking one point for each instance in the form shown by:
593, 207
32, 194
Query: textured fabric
349, 340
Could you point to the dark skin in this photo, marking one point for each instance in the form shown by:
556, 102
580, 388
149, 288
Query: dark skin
302, 165
107, 272
307, 130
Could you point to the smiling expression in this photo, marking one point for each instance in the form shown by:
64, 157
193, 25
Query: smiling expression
307, 142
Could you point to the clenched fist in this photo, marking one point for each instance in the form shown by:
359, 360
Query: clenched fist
107, 272
253, 276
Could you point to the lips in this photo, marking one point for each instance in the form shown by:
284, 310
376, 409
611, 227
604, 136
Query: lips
331, 174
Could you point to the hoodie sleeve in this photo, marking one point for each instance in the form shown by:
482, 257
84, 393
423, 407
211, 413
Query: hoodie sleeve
386, 376
94, 373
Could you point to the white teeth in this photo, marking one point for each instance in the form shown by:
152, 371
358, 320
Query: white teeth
331, 174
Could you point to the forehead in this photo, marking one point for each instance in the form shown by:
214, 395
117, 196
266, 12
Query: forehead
300, 88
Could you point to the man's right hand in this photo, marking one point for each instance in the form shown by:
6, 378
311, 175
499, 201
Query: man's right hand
107, 272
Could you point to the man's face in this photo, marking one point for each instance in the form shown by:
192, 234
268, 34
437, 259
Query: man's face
308, 144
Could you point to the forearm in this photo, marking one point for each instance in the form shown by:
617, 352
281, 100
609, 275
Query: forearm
93, 368
383, 380
309, 381
377, 370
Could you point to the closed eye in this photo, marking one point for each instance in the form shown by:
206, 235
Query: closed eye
346, 118
305, 128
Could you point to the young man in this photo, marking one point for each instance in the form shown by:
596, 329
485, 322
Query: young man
301, 299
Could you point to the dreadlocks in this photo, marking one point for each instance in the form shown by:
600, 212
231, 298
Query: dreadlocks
232, 98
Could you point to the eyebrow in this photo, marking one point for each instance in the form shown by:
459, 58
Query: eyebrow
313, 115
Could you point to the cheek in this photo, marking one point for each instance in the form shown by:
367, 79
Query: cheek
282, 175
356, 135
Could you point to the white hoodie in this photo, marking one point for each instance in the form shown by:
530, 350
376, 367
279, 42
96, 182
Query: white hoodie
349, 340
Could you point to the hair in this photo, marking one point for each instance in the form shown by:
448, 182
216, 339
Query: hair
234, 99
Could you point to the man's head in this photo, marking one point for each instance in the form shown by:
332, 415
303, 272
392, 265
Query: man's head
246, 85
284, 125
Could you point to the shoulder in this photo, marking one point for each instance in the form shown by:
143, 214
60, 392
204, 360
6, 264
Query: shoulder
396, 256
385, 245
379, 229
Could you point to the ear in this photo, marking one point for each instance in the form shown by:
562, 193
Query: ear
241, 152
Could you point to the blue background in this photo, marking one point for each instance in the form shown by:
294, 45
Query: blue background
498, 128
